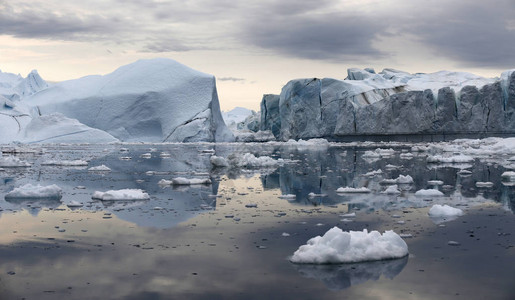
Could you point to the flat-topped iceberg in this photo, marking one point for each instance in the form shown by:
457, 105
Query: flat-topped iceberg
155, 100
337, 246
391, 103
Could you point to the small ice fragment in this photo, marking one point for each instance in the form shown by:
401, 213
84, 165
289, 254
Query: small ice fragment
146, 155
344, 220
101, 168
428, 193
349, 215
123, 194
66, 163
487, 184
288, 196
438, 210
392, 190
435, 182
285, 234
453, 243
353, 190
406, 235
218, 161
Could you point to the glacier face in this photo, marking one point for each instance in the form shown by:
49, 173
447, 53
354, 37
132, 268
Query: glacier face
155, 100
391, 102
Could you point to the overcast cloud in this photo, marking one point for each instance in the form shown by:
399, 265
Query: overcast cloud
472, 33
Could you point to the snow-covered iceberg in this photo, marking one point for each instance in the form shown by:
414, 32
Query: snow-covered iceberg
29, 191
337, 246
391, 103
155, 100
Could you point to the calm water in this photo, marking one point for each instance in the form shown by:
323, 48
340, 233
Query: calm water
204, 242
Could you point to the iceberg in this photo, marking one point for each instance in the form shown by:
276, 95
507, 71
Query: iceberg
155, 100
337, 246
391, 102
29, 191
121, 195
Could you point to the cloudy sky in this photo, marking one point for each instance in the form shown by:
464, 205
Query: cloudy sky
255, 47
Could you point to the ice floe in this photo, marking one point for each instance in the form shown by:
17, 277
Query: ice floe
29, 191
337, 246
123, 194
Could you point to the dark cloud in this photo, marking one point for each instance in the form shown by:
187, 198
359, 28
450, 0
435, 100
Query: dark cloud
37, 22
327, 37
233, 79
472, 33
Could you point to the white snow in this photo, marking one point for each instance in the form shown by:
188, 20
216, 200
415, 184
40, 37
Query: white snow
101, 168
337, 246
123, 194
438, 210
185, 181
29, 191
12, 162
66, 163
428, 193
353, 190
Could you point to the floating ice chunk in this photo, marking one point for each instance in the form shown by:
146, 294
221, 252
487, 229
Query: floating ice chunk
66, 163
450, 159
353, 190
288, 196
101, 168
428, 193
392, 190
185, 181
248, 160
146, 155
218, 161
349, 215
373, 173
285, 234
487, 184
313, 195
406, 155
12, 162
337, 246
29, 191
435, 182
124, 194
444, 211
508, 175
74, 203
404, 179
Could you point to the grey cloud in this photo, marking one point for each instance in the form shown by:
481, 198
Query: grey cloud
332, 36
32, 22
472, 33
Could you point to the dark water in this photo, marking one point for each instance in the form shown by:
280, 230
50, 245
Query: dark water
203, 242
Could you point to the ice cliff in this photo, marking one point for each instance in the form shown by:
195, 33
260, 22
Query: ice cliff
155, 100
391, 103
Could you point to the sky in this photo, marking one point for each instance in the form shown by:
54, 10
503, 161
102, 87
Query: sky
256, 47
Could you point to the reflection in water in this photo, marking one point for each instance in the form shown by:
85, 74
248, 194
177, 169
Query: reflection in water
339, 277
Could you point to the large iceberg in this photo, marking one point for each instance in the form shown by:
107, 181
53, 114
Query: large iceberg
391, 103
155, 100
